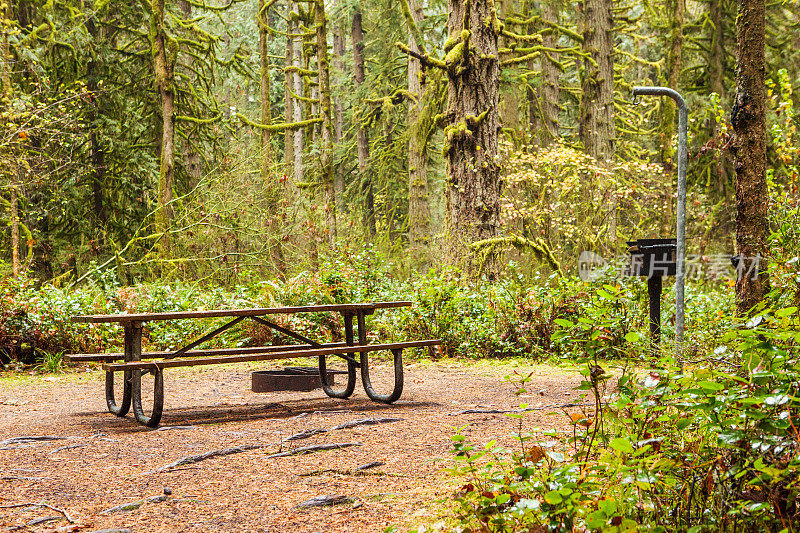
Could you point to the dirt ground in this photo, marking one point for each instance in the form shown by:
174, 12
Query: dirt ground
101, 461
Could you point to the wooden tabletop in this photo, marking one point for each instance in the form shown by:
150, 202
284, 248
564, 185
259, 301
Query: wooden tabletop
147, 317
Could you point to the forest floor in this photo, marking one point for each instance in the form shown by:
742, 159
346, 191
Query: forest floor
100, 462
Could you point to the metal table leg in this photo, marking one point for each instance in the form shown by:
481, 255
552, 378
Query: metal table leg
365, 379
351, 367
136, 389
123, 408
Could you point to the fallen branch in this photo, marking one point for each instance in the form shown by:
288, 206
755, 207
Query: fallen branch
135, 505
192, 459
28, 440
312, 449
41, 504
304, 434
505, 411
168, 428
324, 501
68, 447
366, 422
20, 478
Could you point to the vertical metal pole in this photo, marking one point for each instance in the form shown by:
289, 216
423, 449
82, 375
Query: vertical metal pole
680, 273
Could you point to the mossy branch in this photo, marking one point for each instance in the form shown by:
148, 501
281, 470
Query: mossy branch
197, 120
274, 128
539, 247
412, 26
425, 59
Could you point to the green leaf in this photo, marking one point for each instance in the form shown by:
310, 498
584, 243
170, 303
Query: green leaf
502, 498
621, 445
553, 497
563, 323
632, 336
711, 385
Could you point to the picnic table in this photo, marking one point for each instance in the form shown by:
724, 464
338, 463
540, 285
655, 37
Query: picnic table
134, 363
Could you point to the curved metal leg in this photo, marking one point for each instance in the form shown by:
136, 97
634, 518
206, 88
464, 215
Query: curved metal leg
123, 408
158, 398
398, 378
351, 380
351, 368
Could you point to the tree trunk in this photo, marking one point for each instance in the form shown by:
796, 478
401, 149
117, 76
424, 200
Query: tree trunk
362, 141
11, 170
97, 153
748, 117
677, 10
191, 157
509, 95
14, 233
299, 169
266, 111
326, 154
163, 68
596, 128
288, 101
549, 90
471, 144
418, 207
339, 51
717, 66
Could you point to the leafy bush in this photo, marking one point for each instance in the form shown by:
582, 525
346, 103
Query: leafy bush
699, 449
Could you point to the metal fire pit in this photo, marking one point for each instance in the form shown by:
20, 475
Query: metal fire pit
654, 259
289, 378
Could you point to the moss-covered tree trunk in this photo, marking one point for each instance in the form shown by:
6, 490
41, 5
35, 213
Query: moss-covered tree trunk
10, 168
549, 89
339, 51
288, 101
748, 117
717, 66
266, 111
297, 63
164, 52
418, 202
325, 109
362, 140
471, 145
596, 128
676, 10
97, 152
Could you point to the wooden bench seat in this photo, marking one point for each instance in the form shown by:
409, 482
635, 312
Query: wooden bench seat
286, 354
110, 357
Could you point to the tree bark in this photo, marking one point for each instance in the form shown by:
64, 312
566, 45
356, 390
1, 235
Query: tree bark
717, 66
288, 101
549, 89
15, 270
266, 111
11, 170
191, 157
164, 53
362, 140
339, 51
325, 108
596, 127
748, 117
418, 206
509, 95
674, 64
471, 145
299, 169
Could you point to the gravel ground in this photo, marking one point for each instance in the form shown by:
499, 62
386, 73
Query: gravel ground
100, 462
